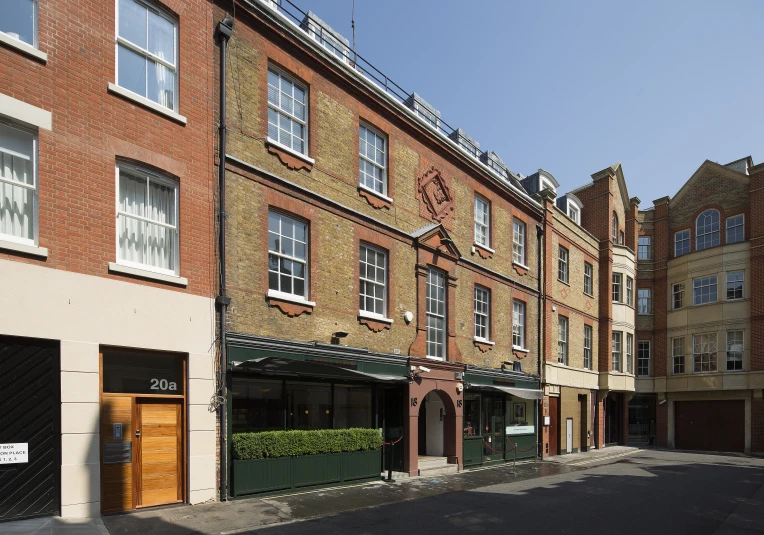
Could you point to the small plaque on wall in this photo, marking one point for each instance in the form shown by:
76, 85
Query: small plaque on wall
117, 452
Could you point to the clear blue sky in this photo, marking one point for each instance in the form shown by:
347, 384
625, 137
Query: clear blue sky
573, 87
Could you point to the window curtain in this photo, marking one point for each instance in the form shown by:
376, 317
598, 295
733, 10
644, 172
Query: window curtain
145, 242
17, 202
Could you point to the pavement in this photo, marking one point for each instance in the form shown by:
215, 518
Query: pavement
627, 490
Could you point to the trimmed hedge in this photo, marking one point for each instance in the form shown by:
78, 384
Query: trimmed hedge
272, 444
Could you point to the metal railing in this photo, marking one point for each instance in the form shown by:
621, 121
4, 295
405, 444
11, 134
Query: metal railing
288, 9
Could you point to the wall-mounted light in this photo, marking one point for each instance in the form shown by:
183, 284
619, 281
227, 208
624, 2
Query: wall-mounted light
336, 337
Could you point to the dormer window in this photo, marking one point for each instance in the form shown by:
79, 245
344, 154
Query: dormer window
574, 213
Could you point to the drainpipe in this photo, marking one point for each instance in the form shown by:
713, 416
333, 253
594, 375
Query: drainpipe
540, 241
224, 30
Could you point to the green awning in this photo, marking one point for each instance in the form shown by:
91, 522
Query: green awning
283, 367
524, 393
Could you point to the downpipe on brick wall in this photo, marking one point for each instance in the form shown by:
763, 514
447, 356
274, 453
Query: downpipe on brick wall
540, 241
223, 33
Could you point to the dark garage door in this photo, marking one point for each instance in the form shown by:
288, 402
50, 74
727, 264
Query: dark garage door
710, 425
30, 413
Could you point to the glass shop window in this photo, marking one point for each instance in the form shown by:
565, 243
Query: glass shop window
309, 406
352, 407
135, 372
257, 405
471, 415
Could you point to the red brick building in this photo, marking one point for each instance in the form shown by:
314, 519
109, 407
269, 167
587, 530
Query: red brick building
107, 253
699, 372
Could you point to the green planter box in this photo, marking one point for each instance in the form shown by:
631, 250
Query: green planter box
473, 451
361, 465
309, 470
283, 473
261, 475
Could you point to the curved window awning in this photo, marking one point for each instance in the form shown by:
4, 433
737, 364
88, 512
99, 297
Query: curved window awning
282, 367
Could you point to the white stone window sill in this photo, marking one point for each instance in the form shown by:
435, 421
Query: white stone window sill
23, 47
147, 274
275, 294
143, 101
520, 349
483, 341
290, 150
484, 247
375, 193
372, 316
33, 250
521, 265
439, 359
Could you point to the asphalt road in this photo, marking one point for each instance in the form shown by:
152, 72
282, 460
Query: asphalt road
648, 492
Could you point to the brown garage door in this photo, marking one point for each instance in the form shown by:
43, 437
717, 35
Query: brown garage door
710, 425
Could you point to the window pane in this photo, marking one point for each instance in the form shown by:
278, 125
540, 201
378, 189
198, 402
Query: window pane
137, 372
18, 19
161, 85
309, 406
352, 407
132, 22
161, 37
131, 72
257, 405
17, 183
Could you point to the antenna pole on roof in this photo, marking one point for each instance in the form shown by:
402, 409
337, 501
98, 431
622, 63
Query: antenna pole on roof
352, 25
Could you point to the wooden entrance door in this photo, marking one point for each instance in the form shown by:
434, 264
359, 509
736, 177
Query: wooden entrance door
160, 452
554, 425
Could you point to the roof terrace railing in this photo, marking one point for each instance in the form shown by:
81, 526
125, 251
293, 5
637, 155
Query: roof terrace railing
364, 67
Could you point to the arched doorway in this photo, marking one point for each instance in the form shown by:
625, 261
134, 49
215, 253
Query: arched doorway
432, 415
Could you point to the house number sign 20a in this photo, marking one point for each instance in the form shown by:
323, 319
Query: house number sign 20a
163, 384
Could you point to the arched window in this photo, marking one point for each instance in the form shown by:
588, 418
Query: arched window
707, 230
615, 227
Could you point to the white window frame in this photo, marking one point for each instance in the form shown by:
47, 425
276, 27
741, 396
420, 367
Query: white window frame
563, 326
677, 355
35, 187
644, 250
616, 354
305, 123
708, 358
735, 227
588, 279
705, 282
677, 292
614, 223
279, 254
518, 242
482, 226
518, 324
563, 268
643, 362
682, 243
629, 353
35, 39
150, 175
702, 239
383, 168
482, 301
629, 291
375, 283
732, 279
736, 361
574, 212
174, 67
645, 303
588, 336
617, 294
436, 273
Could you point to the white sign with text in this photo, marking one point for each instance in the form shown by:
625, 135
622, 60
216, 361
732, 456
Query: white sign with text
14, 453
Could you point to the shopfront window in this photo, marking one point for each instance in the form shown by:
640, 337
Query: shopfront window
309, 406
135, 372
471, 415
257, 405
352, 407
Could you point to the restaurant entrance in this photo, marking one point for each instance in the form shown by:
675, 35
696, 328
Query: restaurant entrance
494, 443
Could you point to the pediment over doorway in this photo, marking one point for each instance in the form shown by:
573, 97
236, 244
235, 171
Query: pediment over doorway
437, 239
